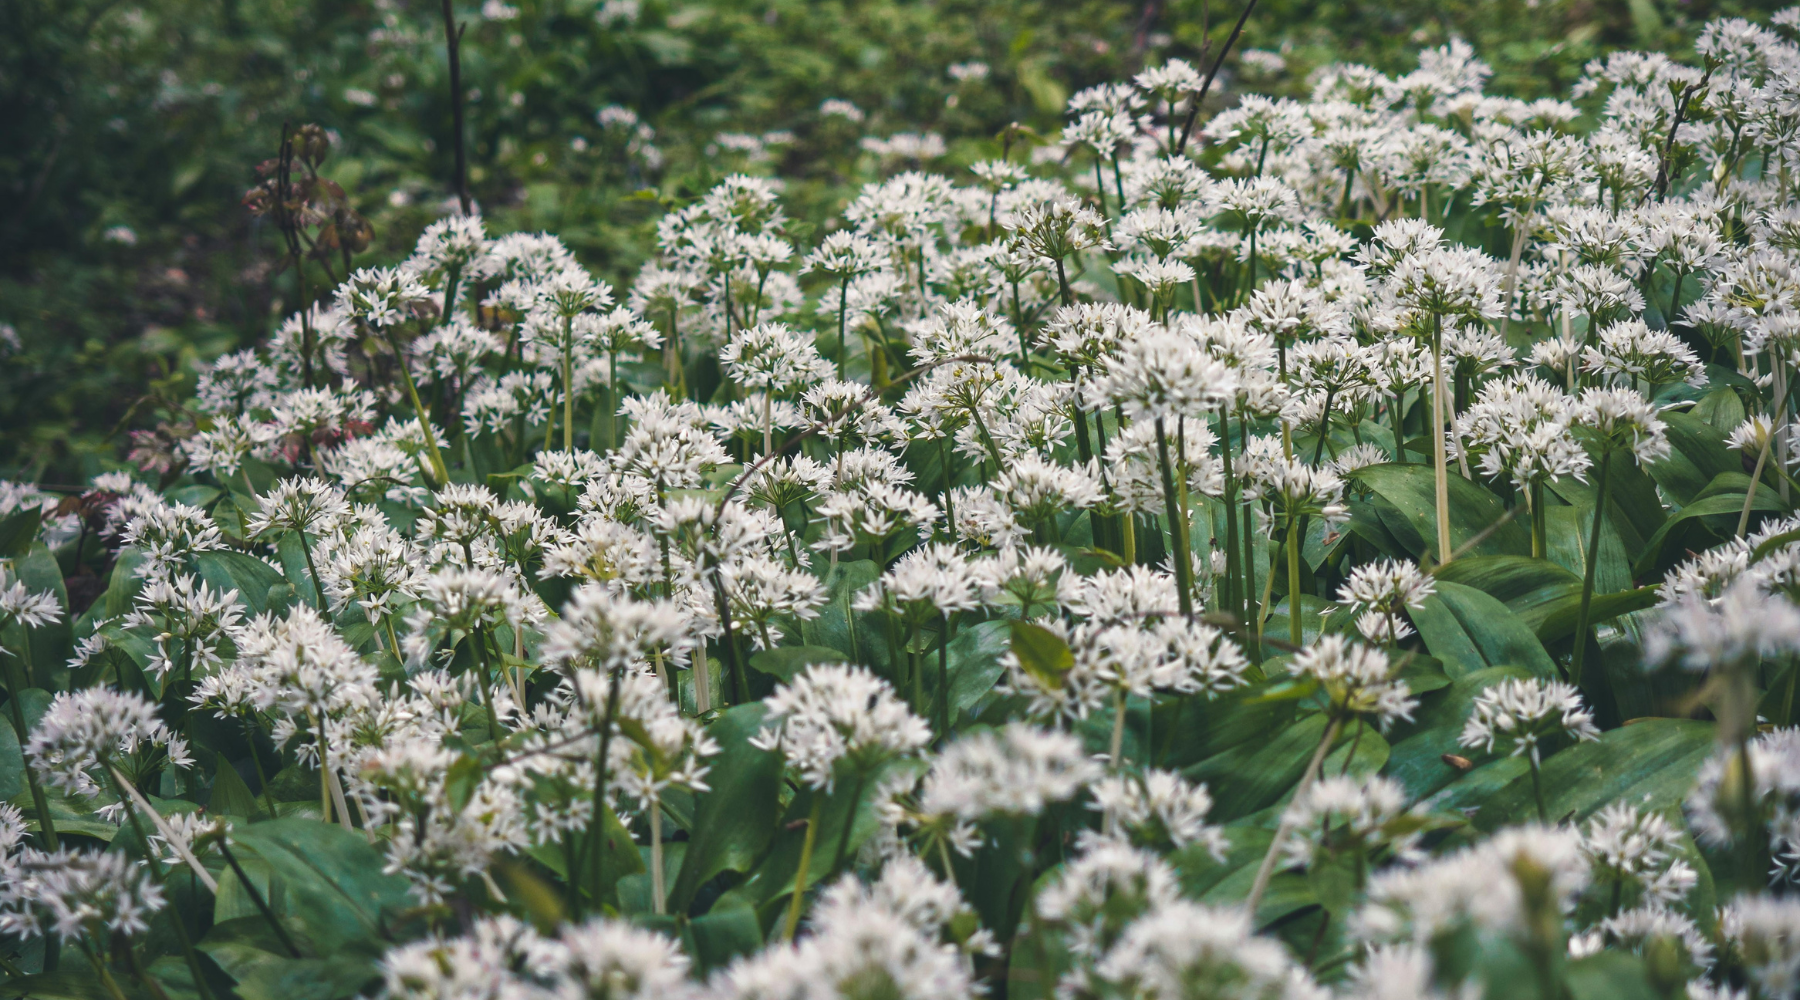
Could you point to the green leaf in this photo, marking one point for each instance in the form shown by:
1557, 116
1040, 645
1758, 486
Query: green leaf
723, 934
1697, 453
335, 884
1650, 764
785, 662
1412, 491
1416, 761
249, 576
1556, 619
975, 665
1726, 504
1508, 579
734, 822
124, 583
1041, 653
1501, 638
1609, 975
18, 530
1443, 635
74, 980
1257, 774
230, 796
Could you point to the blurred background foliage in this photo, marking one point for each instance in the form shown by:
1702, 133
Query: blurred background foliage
131, 131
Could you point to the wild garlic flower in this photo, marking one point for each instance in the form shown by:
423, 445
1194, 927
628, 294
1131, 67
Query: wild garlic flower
1057, 230
381, 297
1099, 893
1716, 808
1180, 944
1017, 770
834, 716
1481, 886
1631, 350
1622, 418
23, 606
1379, 592
311, 506
1763, 934
1522, 713
78, 895
85, 732
1637, 850
1354, 680
1737, 628
603, 629
186, 622
1160, 810
1341, 814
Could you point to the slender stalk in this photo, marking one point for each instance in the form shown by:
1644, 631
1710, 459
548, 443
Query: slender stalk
453, 45
568, 381
1184, 564
131, 798
256, 897
1587, 573
1267, 869
1762, 458
943, 691
843, 305
106, 977
806, 852
1537, 790
15, 682
312, 570
1116, 758
843, 847
597, 821
1440, 470
440, 473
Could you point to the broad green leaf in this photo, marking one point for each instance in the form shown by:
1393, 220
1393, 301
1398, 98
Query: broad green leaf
230, 796
786, 662
1609, 975
335, 884
1506, 578
124, 583
1697, 453
1416, 760
1201, 727
249, 576
734, 822
723, 934
975, 666
1650, 764
1568, 531
866, 643
1632, 507
1041, 653
74, 980
1257, 774
1500, 637
18, 531
1443, 635
1556, 619
1412, 490
1724, 505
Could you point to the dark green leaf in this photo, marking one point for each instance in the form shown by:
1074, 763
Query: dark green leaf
18, 530
1501, 638
1723, 505
1412, 491
785, 662
1041, 653
249, 576
1650, 764
335, 884
733, 822
1556, 619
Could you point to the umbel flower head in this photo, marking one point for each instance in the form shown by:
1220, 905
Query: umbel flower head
85, 732
834, 715
1521, 713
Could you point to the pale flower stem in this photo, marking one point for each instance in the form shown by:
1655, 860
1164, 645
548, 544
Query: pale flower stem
1267, 870
1118, 730
1440, 468
337, 797
806, 850
176, 844
1780, 429
1520, 232
440, 473
1762, 458
1537, 789
1587, 575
